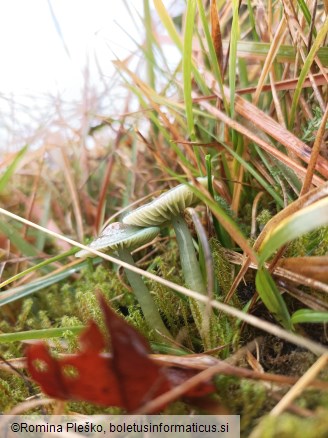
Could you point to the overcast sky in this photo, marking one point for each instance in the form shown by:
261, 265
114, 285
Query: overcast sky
39, 56
45, 46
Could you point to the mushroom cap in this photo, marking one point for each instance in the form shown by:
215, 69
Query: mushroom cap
162, 209
120, 236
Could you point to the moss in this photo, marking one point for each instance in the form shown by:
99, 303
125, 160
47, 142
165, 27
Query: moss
263, 218
61, 305
226, 327
70, 304
13, 390
318, 244
136, 319
314, 243
242, 397
178, 408
174, 307
105, 281
242, 222
311, 127
25, 311
91, 409
224, 271
313, 399
179, 312
288, 425
253, 396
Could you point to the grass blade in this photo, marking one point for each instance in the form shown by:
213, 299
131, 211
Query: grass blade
38, 266
187, 66
19, 292
305, 70
233, 55
259, 51
39, 334
272, 298
168, 23
11, 168
309, 316
295, 225
212, 53
17, 240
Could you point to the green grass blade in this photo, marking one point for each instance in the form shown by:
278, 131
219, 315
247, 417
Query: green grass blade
279, 170
19, 292
233, 55
39, 334
260, 50
221, 233
272, 298
16, 239
76, 329
309, 316
5, 177
168, 23
211, 53
187, 77
295, 225
253, 172
187, 63
305, 70
38, 266
149, 44
306, 12
176, 38
46, 212
252, 20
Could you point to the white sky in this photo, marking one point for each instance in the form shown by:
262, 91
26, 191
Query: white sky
42, 62
33, 55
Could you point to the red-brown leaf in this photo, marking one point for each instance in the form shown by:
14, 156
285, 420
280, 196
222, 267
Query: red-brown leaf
127, 379
85, 376
140, 378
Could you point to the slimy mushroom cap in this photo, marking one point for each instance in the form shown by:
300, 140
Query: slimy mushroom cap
120, 236
162, 209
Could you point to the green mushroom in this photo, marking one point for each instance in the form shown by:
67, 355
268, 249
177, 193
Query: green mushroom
168, 208
123, 239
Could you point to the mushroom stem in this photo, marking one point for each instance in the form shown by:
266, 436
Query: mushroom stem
193, 278
143, 296
189, 262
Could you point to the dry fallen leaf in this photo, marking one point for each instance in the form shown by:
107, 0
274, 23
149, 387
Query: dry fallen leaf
128, 378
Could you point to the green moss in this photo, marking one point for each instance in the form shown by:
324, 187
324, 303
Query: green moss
263, 218
224, 271
178, 312
174, 307
13, 390
105, 281
25, 312
91, 409
311, 127
70, 304
288, 425
242, 397
136, 319
178, 408
226, 327
314, 243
